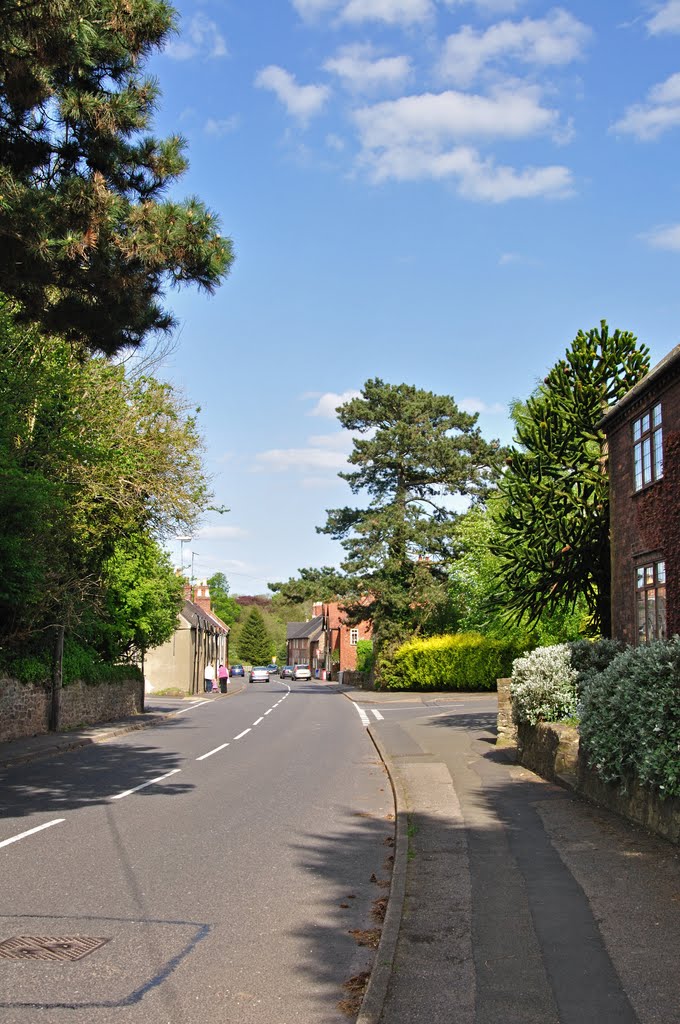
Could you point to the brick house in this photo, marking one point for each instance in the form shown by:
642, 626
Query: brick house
304, 642
643, 440
341, 638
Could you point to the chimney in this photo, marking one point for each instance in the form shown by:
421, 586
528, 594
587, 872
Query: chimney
202, 595
317, 609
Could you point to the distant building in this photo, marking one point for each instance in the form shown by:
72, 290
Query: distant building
341, 637
304, 642
200, 637
643, 439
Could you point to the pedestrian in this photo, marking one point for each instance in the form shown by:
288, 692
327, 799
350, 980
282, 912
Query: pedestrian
222, 676
209, 677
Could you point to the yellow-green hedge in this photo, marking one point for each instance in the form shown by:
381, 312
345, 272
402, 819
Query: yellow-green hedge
456, 661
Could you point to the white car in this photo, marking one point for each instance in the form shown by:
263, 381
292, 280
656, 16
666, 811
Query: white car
302, 672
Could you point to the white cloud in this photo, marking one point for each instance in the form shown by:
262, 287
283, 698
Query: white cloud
299, 100
557, 39
664, 238
489, 6
280, 460
429, 120
392, 12
362, 70
200, 38
310, 9
328, 402
506, 258
219, 127
666, 19
661, 111
479, 405
334, 142
340, 441
221, 533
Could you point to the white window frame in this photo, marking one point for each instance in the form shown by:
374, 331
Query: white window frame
353, 637
648, 447
650, 601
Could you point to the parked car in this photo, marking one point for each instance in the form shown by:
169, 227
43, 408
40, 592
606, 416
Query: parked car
286, 672
259, 674
273, 669
236, 670
302, 672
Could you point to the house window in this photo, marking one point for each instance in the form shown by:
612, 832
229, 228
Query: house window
648, 447
651, 602
354, 637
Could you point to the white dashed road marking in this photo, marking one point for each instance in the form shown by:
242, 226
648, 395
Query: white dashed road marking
151, 782
362, 715
211, 752
257, 722
242, 734
31, 831
377, 715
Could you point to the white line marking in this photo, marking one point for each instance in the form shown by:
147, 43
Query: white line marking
198, 704
259, 720
211, 752
31, 831
376, 714
362, 715
269, 712
241, 734
151, 782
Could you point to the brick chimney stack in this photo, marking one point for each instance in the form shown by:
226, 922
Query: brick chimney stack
202, 595
317, 609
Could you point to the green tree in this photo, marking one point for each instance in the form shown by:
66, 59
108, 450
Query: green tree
88, 239
553, 541
255, 645
324, 584
419, 449
142, 597
223, 605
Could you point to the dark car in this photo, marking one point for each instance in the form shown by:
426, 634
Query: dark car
286, 672
273, 669
236, 670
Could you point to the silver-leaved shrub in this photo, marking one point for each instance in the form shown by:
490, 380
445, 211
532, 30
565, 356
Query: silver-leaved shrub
543, 686
630, 718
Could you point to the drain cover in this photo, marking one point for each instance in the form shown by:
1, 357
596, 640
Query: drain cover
49, 947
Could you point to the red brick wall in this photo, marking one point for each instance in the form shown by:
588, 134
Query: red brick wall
339, 634
645, 524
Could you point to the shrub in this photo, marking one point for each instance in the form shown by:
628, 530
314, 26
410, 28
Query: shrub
630, 726
457, 661
364, 655
543, 685
589, 657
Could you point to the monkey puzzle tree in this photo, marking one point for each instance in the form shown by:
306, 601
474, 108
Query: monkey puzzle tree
553, 536
87, 240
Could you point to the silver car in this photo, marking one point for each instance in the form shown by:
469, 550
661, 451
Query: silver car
302, 672
259, 674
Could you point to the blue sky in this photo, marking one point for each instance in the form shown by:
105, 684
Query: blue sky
436, 192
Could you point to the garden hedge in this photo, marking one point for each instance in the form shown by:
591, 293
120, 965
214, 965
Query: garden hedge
456, 661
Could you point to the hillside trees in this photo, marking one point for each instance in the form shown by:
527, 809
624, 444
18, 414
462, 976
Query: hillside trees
417, 450
553, 541
223, 605
88, 238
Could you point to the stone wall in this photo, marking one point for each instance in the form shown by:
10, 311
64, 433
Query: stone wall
360, 680
507, 730
552, 750
25, 709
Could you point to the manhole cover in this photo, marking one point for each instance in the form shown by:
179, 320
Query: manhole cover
49, 947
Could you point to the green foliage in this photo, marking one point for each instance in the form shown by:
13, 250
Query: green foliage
324, 584
543, 685
143, 597
477, 588
554, 524
224, 606
630, 718
589, 657
364, 655
254, 644
81, 664
458, 661
418, 449
89, 239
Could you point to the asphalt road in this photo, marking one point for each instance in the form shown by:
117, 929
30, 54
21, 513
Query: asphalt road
224, 858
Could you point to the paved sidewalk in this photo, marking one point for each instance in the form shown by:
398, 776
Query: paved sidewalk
513, 901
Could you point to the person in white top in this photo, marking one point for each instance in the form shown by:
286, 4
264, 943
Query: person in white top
209, 677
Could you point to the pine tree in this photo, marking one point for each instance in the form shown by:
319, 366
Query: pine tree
255, 646
420, 449
553, 537
87, 240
